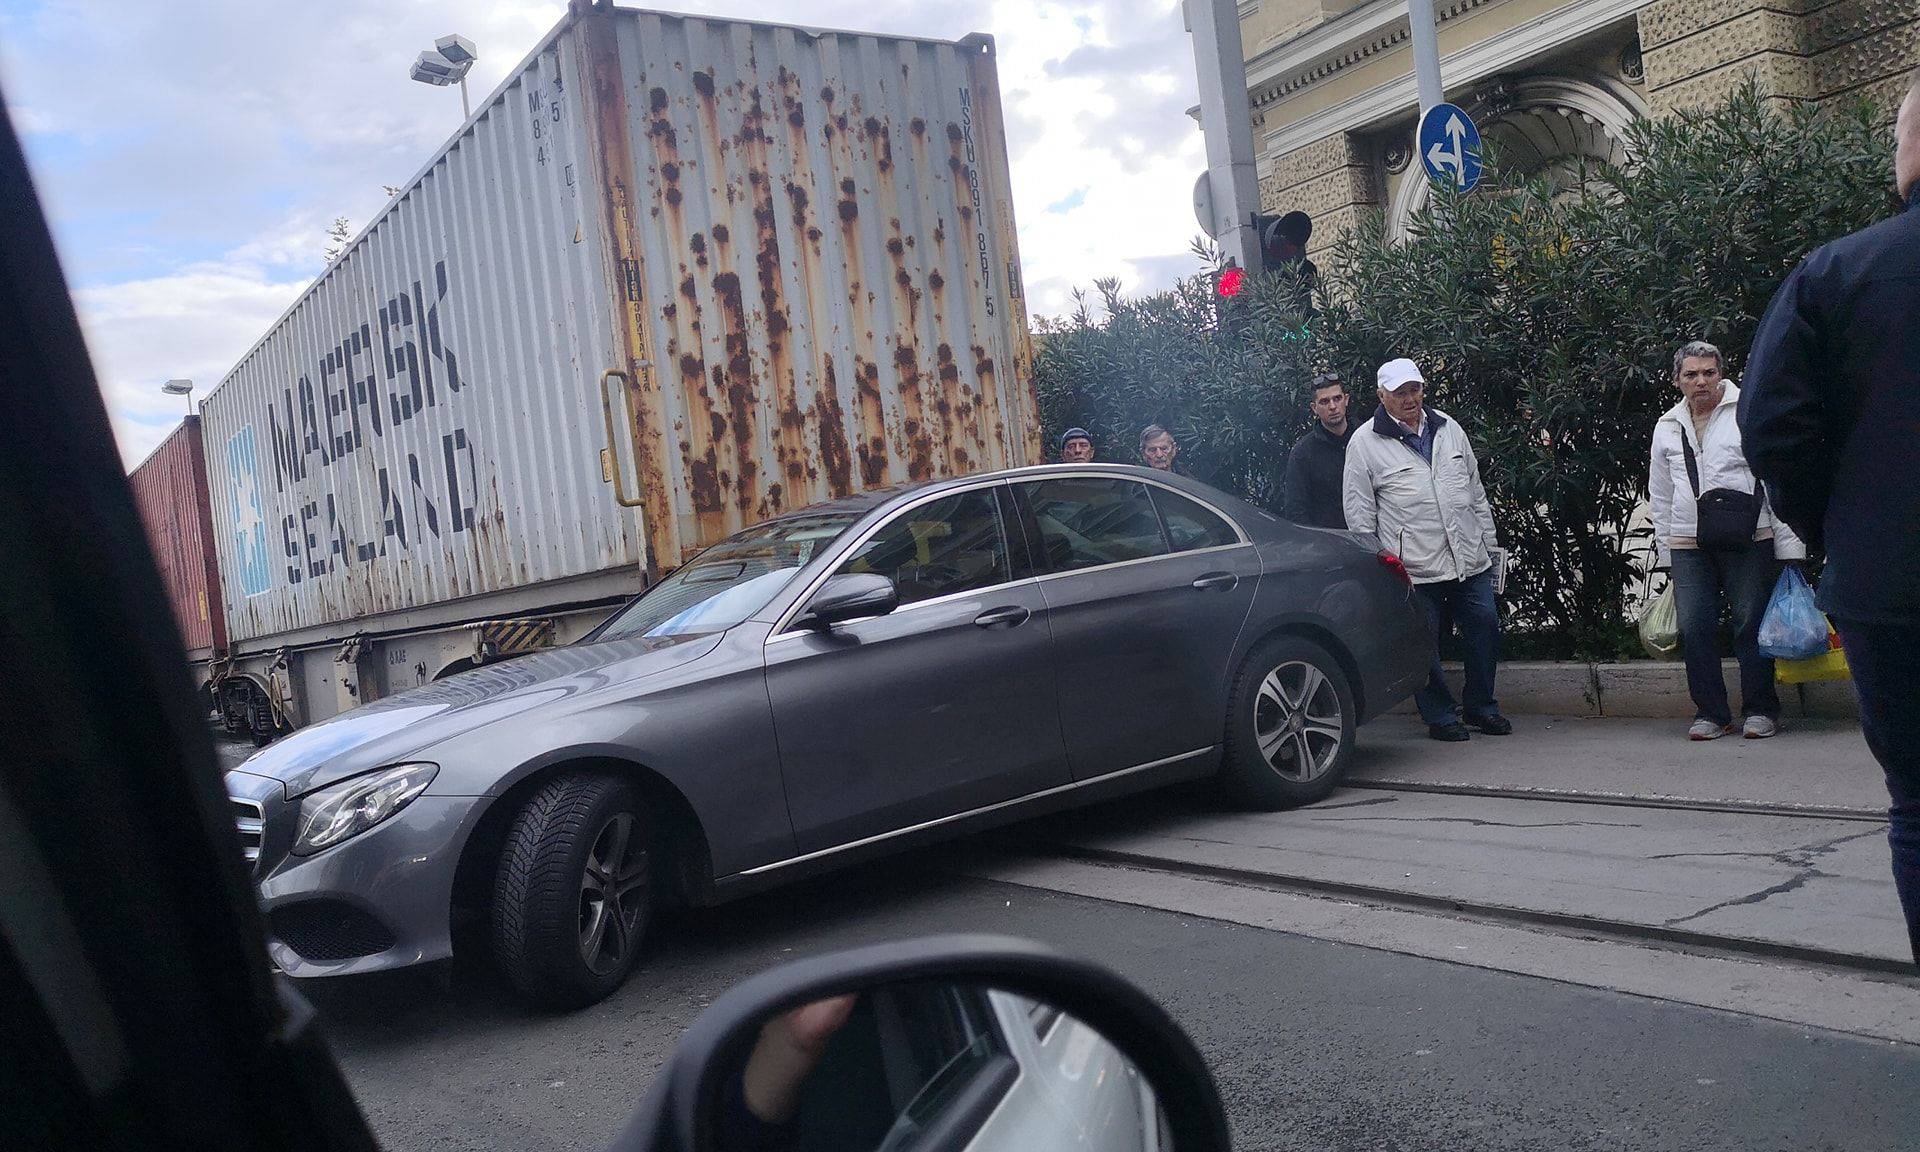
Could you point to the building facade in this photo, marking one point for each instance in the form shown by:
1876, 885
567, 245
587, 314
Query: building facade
1554, 82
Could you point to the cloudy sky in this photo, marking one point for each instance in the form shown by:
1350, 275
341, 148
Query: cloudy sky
192, 154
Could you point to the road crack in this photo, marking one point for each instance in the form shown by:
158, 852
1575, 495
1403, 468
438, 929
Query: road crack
1767, 893
1801, 858
1477, 822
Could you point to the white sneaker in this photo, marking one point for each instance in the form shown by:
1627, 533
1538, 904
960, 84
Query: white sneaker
1707, 730
1758, 728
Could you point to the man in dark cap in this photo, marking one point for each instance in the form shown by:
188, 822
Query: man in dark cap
1076, 446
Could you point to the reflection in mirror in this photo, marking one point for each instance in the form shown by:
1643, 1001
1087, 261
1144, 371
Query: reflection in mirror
933, 1065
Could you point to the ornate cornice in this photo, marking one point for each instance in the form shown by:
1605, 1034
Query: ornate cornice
1338, 45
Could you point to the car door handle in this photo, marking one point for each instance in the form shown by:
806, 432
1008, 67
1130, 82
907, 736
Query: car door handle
1011, 616
1216, 582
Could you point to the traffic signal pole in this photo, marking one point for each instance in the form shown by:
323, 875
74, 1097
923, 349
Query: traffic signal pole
1226, 118
1426, 53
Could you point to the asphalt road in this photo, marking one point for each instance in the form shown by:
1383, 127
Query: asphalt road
1316, 1045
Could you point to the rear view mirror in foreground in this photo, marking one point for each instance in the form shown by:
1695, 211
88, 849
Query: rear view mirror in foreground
949, 1043
849, 596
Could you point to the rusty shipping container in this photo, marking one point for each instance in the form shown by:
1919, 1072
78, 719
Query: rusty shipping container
170, 489
675, 275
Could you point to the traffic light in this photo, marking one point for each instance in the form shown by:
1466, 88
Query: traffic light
1230, 293
1281, 237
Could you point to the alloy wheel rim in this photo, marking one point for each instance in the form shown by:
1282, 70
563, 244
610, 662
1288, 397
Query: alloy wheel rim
1297, 721
612, 894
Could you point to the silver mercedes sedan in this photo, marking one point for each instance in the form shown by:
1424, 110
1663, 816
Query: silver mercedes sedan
843, 681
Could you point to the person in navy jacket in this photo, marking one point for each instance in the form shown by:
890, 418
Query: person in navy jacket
1831, 422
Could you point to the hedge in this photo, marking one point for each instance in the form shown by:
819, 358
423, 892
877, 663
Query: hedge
1545, 321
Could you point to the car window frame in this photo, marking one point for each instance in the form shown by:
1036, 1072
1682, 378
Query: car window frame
1043, 571
856, 538
992, 502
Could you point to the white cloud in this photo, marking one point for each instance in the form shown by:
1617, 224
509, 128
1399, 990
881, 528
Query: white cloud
193, 323
192, 156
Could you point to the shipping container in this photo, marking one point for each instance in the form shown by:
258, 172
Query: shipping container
170, 490
676, 275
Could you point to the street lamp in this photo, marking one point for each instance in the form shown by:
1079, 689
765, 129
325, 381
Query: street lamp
180, 388
448, 63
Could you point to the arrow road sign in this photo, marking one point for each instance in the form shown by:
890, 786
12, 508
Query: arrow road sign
1450, 146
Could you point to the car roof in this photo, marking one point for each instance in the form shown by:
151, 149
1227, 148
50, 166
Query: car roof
861, 503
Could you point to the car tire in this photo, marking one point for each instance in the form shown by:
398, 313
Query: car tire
572, 892
1271, 734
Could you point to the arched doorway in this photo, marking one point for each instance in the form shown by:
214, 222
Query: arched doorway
1542, 126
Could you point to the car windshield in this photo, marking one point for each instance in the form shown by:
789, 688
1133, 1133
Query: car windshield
726, 583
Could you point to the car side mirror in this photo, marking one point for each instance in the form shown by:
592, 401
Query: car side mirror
959, 1042
849, 596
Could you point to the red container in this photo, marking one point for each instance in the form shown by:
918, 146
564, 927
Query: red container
170, 488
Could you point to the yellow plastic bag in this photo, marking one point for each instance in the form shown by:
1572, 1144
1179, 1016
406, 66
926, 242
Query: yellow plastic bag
1829, 665
1660, 626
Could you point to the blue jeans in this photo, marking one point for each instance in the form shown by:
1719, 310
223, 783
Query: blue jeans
1885, 659
1704, 582
1468, 606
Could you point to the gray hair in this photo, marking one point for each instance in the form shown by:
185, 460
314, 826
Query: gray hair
1151, 433
1697, 348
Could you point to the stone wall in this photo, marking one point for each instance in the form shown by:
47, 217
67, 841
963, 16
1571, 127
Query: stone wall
1330, 180
1697, 51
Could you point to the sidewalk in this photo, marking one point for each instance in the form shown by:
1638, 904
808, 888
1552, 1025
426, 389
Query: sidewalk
1553, 825
1813, 763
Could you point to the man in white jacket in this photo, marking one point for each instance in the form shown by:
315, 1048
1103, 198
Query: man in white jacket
1707, 578
1413, 481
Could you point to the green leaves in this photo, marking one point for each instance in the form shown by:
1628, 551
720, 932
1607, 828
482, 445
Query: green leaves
1546, 324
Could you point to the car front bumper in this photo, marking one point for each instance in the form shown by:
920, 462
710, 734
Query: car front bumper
380, 900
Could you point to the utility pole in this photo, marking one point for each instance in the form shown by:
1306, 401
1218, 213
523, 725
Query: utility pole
1227, 120
1426, 53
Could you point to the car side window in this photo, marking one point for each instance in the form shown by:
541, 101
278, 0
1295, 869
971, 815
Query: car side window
947, 1035
1088, 521
913, 1059
1190, 525
954, 544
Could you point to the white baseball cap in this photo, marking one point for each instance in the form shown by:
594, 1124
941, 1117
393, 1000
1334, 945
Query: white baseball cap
1396, 374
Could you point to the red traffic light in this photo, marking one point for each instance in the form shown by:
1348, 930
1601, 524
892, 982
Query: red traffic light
1231, 282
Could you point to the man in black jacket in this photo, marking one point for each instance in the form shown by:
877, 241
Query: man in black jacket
1316, 465
1831, 422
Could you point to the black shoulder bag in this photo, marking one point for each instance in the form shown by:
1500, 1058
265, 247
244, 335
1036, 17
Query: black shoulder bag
1726, 518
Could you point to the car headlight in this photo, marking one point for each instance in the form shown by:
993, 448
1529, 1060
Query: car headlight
346, 809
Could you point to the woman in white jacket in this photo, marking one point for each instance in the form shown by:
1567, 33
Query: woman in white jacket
1705, 579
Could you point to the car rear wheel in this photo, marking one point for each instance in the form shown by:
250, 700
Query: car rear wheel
1290, 728
573, 892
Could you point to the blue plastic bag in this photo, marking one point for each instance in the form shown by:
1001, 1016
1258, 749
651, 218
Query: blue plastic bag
1793, 628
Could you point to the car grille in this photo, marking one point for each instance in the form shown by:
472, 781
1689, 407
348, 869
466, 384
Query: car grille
247, 819
327, 930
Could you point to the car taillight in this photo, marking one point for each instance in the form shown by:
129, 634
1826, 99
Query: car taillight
1392, 564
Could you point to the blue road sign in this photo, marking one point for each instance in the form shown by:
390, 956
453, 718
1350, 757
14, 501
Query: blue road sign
1450, 146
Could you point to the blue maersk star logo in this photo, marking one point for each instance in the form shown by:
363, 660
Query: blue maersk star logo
253, 565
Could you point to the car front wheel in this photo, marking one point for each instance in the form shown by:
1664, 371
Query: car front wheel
1290, 728
572, 892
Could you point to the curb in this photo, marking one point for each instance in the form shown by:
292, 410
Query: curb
1644, 689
